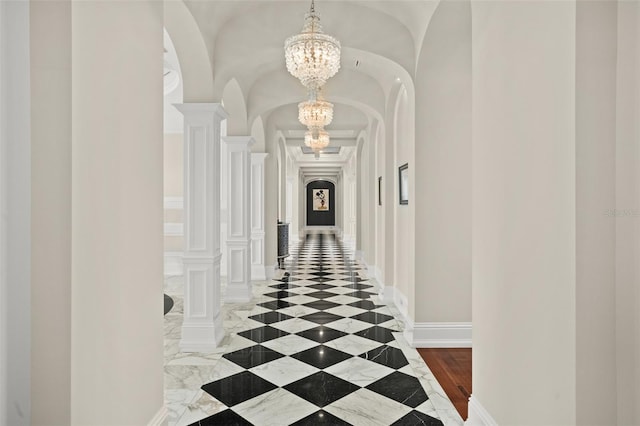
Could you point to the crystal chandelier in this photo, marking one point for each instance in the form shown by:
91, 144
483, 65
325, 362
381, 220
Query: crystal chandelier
315, 113
316, 139
312, 56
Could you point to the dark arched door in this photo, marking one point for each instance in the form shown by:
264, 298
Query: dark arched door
321, 203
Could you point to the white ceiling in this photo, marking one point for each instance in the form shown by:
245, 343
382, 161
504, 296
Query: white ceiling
380, 41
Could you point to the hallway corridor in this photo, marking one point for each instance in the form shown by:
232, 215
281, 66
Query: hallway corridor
315, 346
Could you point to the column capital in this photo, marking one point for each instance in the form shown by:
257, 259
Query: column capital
239, 142
258, 157
202, 109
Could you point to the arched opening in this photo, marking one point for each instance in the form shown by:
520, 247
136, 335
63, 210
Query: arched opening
321, 203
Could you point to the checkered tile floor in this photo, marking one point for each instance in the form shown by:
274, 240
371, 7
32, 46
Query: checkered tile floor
323, 353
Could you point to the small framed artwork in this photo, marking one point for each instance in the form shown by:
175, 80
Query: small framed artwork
403, 172
379, 190
321, 200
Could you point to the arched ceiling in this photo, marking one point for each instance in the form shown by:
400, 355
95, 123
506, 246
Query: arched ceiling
245, 39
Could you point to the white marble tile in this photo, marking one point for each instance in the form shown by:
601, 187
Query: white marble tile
187, 376
186, 358
283, 371
224, 368
176, 401
290, 344
391, 325
340, 290
442, 404
204, 406
342, 299
352, 344
300, 299
275, 408
383, 310
294, 325
365, 407
428, 409
349, 325
407, 369
345, 311
234, 343
359, 371
297, 310
302, 289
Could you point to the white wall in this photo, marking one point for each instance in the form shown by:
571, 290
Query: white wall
117, 244
15, 180
51, 117
97, 184
523, 254
443, 175
403, 227
595, 124
627, 219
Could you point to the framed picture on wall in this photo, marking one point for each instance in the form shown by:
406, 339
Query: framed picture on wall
379, 190
321, 200
403, 172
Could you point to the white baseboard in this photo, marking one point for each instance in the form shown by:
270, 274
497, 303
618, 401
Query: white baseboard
359, 255
161, 418
441, 335
173, 263
478, 415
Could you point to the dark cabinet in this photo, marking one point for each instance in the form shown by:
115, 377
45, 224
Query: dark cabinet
283, 243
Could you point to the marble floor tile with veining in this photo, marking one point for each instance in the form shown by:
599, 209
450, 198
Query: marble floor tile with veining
316, 345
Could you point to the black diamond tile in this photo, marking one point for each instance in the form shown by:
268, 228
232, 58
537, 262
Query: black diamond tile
321, 317
321, 417
364, 304
252, 356
358, 286
275, 304
321, 388
372, 317
321, 305
321, 356
226, 417
379, 334
416, 418
280, 294
238, 388
283, 286
270, 317
321, 286
321, 334
262, 334
321, 273
400, 387
361, 294
321, 279
386, 355
321, 294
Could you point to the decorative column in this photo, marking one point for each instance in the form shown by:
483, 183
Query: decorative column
258, 271
239, 220
202, 328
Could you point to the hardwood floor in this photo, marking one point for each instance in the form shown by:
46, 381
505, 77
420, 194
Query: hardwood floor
452, 368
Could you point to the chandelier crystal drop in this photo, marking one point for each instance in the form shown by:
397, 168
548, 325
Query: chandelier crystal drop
312, 56
315, 113
316, 139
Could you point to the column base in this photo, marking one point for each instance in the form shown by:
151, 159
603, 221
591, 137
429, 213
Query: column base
202, 337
